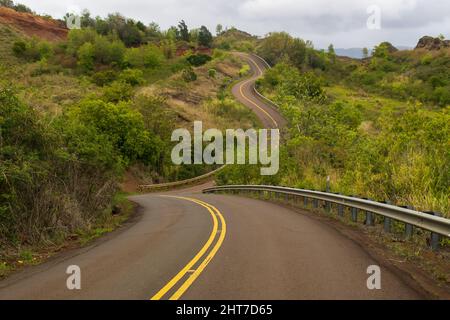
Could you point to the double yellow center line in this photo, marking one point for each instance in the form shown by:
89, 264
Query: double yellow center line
196, 266
251, 101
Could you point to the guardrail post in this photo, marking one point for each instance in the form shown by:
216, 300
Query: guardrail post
340, 210
435, 238
387, 221
409, 229
328, 206
354, 215
315, 203
369, 217
305, 202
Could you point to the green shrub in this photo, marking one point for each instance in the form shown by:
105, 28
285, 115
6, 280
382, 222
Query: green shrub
102, 50
58, 175
244, 70
103, 78
78, 37
107, 52
148, 56
224, 45
189, 75
123, 127
43, 191
118, 91
86, 56
33, 49
212, 73
133, 77
19, 48
168, 48
197, 60
289, 81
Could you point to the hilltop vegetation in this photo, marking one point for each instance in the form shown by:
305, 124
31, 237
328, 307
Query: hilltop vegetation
415, 75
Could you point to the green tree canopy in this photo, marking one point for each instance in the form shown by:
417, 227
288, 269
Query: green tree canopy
205, 37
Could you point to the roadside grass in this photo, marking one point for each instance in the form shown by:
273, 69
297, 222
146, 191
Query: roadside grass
109, 222
14, 259
370, 104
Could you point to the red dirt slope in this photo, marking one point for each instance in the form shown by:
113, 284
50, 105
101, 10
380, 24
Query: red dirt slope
32, 25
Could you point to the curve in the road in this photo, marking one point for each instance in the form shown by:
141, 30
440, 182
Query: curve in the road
244, 92
196, 266
266, 251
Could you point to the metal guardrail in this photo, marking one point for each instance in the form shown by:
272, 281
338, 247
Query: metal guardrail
263, 60
436, 224
199, 179
259, 94
271, 103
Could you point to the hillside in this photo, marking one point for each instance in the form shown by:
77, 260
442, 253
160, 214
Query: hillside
378, 127
90, 113
32, 25
235, 39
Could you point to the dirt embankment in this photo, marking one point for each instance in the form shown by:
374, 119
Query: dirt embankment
32, 25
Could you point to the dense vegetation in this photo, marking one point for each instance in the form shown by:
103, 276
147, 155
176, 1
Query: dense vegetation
352, 130
419, 75
60, 168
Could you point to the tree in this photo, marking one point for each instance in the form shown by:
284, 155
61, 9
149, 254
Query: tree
183, 31
22, 8
168, 48
381, 51
275, 46
7, 3
18, 7
130, 34
193, 35
331, 49
331, 53
365, 52
141, 26
219, 29
86, 20
153, 31
205, 37
172, 33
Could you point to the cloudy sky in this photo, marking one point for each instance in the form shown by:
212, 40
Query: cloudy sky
341, 22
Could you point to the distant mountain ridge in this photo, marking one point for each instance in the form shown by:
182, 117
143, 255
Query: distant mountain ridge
357, 53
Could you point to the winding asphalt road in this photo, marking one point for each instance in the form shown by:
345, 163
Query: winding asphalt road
188, 245
245, 92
